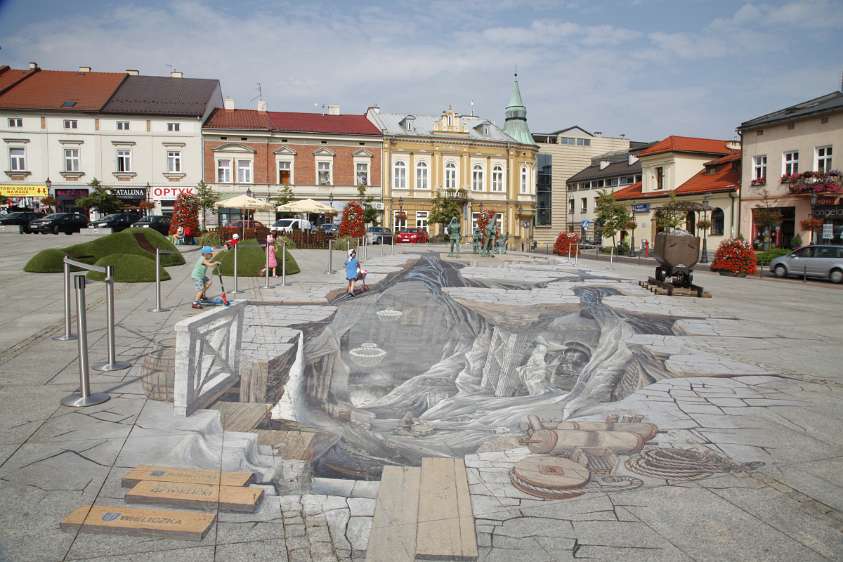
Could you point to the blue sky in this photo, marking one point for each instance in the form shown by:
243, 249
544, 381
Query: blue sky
645, 68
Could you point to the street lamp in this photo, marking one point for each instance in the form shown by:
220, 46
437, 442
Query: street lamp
49, 184
813, 204
331, 199
705, 207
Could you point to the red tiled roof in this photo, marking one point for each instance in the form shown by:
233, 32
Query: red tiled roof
726, 178
284, 121
9, 76
633, 191
675, 143
734, 156
51, 89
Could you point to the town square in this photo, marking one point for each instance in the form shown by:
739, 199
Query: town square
283, 313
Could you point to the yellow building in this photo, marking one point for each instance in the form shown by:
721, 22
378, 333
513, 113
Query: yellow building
464, 157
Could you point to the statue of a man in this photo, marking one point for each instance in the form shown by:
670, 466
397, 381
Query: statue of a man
476, 239
491, 231
454, 236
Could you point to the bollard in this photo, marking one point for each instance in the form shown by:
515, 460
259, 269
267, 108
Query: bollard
236, 289
283, 263
266, 266
330, 257
577, 255
392, 240
158, 307
83, 398
612, 257
569, 253
68, 334
113, 364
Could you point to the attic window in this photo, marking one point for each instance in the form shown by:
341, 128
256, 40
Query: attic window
69, 103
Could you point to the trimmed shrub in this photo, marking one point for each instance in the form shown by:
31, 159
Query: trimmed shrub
125, 243
251, 258
129, 268
210, 239
345, 243
796, 241
735, 256
764, 258
291, 244
50, 260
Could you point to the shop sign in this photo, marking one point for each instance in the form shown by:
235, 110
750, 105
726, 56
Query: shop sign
641, 208
11, 190
829, 211
70, 193
129, 193
828, 231
169, 193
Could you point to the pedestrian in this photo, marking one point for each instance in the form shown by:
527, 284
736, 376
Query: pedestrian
271, 258
201, 281
354, 272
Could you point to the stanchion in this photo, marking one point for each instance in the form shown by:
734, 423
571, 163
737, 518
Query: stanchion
392, 242
330, 257
577, 256
83, 398
113, 364
158, 307
266, 266
283, 263
612, 257
68, 334
236, 289
569, 253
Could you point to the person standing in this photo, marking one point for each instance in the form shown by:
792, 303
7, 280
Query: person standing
271, 258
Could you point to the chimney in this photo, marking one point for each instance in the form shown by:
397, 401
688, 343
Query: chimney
632, 159
228, 103
262, 106
33, 66
132, 71
84, 69
176, 74
333, 110
604, 164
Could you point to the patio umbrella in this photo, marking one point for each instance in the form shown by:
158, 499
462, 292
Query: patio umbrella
244, 203
307, 206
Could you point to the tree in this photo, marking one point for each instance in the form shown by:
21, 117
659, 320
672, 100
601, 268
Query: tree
206, 196
443, 209
672, 214
283, 197
99, 199
352, 220
49, 201
370, 214
186, 214
611, 215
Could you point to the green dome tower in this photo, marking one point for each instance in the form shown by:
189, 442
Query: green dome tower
516, 117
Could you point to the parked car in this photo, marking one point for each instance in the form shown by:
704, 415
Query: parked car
20, 219
286, 226
378, 235
412, 236
246, 229
819, 261
161, 223
330, 229
59, 222
116, 221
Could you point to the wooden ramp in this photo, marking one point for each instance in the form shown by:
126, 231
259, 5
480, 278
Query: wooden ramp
185, 475
140, 521
202, 496
423, 514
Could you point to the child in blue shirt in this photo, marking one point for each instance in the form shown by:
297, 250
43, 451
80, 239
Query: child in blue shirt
354, 272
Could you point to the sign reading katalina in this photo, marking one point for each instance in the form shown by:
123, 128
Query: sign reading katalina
11, 190
129, 193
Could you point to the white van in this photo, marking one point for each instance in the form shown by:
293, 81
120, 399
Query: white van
285, 226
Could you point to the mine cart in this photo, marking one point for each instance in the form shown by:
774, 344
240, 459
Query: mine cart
676, 253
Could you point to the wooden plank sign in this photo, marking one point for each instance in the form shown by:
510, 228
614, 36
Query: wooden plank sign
445, 521
206, 496
186, 475
140, 521
393, 535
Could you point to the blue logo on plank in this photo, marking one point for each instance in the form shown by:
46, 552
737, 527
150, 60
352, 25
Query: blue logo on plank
158, 473
110, 516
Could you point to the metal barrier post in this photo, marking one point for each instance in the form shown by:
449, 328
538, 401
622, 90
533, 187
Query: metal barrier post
68, 334
392, 241
569, 253
83, 398
330, 257
612, 257
577, 256
158, 307
266, 266
236, 289
283, 262
113, 364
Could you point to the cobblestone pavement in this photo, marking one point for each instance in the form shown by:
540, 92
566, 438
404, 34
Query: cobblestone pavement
755, 388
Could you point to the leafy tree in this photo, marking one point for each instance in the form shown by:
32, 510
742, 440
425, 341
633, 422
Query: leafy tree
672, 214
284, 196
370, 214
611, 215
444, 209
49, 201
206, 197
100, 199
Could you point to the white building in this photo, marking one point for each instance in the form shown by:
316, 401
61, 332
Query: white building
140, 136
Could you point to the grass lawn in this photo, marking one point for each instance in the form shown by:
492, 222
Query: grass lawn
129, 268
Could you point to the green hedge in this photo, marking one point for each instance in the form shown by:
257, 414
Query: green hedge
129, 268
250, 259
46, 261
765, 257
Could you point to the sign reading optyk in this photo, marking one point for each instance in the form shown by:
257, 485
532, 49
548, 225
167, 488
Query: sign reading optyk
168, 193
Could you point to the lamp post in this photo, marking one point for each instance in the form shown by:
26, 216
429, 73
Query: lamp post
813, 205
705, 207
331, 199
49, 184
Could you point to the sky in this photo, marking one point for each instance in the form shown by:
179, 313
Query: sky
643, 68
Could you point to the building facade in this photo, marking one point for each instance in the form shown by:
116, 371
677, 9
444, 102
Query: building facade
322, 156
607, 173
779, 148
704, 173
140, 136
562, 154
464, 157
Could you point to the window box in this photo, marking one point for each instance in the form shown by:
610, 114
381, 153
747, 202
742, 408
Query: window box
759, 182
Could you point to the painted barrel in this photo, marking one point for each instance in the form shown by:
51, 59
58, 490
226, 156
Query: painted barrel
549, 477
644, 430
561, 441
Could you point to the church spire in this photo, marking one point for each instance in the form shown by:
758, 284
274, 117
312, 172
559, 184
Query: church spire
516, 116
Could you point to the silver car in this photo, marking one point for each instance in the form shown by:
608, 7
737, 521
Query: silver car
825, 262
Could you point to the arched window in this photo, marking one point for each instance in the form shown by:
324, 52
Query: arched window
718, 222
477, 178
524, 175
399, 175
497, 178
450, 175
421, 176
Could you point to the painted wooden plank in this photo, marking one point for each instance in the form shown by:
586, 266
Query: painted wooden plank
185, 475
209, 496
393, 534
242, 416
445, 527
288, 444
140, 521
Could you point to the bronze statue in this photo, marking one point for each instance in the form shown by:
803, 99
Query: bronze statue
454, 235
491, 234
477, 239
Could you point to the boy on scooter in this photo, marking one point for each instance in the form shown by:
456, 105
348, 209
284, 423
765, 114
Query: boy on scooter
201, 281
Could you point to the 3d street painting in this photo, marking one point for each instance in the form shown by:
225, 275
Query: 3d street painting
451, 359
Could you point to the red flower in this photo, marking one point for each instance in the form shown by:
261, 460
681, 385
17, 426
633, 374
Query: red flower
352, 220
566, 242
736, 256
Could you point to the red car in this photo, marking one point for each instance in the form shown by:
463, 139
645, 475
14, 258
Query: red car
412, 236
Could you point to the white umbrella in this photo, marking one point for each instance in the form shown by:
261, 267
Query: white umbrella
244, 202
307, 206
